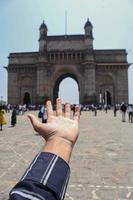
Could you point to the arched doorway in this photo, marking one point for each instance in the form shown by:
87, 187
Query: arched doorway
107, 98
106, 94
26, 99
67, 88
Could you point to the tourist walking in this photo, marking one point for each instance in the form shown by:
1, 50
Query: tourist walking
94, 109
2, 118
123, 109
106, 108
130, 113
14, 117
8, 108
115, 110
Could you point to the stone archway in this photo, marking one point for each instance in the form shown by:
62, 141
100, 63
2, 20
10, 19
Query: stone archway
58, 81
106, 89
26, 90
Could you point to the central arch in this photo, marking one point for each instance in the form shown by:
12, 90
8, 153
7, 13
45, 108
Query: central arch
57, 83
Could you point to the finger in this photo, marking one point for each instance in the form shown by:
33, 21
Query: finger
77, 113
35, 122
58, 107
67, 110
49, 110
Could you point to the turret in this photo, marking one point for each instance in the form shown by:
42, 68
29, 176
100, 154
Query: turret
88, 34
43, 37
88, 29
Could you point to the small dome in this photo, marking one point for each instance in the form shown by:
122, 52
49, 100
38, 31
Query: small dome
88, 23
43, 25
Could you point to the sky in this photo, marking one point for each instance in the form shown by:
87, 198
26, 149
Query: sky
20, 20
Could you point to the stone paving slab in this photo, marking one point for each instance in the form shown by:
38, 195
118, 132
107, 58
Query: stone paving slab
101, 164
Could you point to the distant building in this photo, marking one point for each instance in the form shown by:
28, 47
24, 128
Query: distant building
101, 75
2, 102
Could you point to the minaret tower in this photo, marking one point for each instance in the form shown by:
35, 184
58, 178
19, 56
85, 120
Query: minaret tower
43, 37
88, 34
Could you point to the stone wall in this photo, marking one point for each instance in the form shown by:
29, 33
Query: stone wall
65, 45
13, 90
122, 85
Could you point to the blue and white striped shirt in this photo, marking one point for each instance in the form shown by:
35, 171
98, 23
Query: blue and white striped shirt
45, 179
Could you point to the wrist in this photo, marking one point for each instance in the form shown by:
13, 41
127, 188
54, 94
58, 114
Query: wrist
59, 146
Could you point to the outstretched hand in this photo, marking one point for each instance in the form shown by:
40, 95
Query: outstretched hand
59, 126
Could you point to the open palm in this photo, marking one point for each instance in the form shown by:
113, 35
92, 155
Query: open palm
60, 125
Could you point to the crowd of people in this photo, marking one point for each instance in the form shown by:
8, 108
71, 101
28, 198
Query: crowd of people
15, 110
123, 108
42, 111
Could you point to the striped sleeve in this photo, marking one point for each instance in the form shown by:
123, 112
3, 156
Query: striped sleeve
46, 178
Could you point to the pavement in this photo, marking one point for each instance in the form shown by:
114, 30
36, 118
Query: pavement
101, 164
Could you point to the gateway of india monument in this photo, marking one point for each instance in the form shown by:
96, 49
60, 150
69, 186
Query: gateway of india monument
101, 75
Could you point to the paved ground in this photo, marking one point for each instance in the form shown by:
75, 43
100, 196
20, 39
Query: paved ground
101, 165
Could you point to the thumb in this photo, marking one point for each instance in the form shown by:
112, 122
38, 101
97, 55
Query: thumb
34, 121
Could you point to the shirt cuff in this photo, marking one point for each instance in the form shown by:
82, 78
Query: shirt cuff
51, 171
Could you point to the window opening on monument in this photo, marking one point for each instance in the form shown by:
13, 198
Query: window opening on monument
68, 91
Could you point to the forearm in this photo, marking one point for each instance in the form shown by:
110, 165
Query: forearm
59, 147
48, 174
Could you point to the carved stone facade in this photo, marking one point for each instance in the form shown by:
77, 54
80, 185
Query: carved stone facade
101, 75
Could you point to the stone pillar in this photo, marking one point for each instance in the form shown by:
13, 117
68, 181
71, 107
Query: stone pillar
44, 82
13, 93
122, 85
40, 85
89, 84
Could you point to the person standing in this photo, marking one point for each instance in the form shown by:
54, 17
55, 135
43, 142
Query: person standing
44, 116
73, 109
13, 117
115, 110
130, 113
123, 109
8, 108
106, 108
95, 111
2, 118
